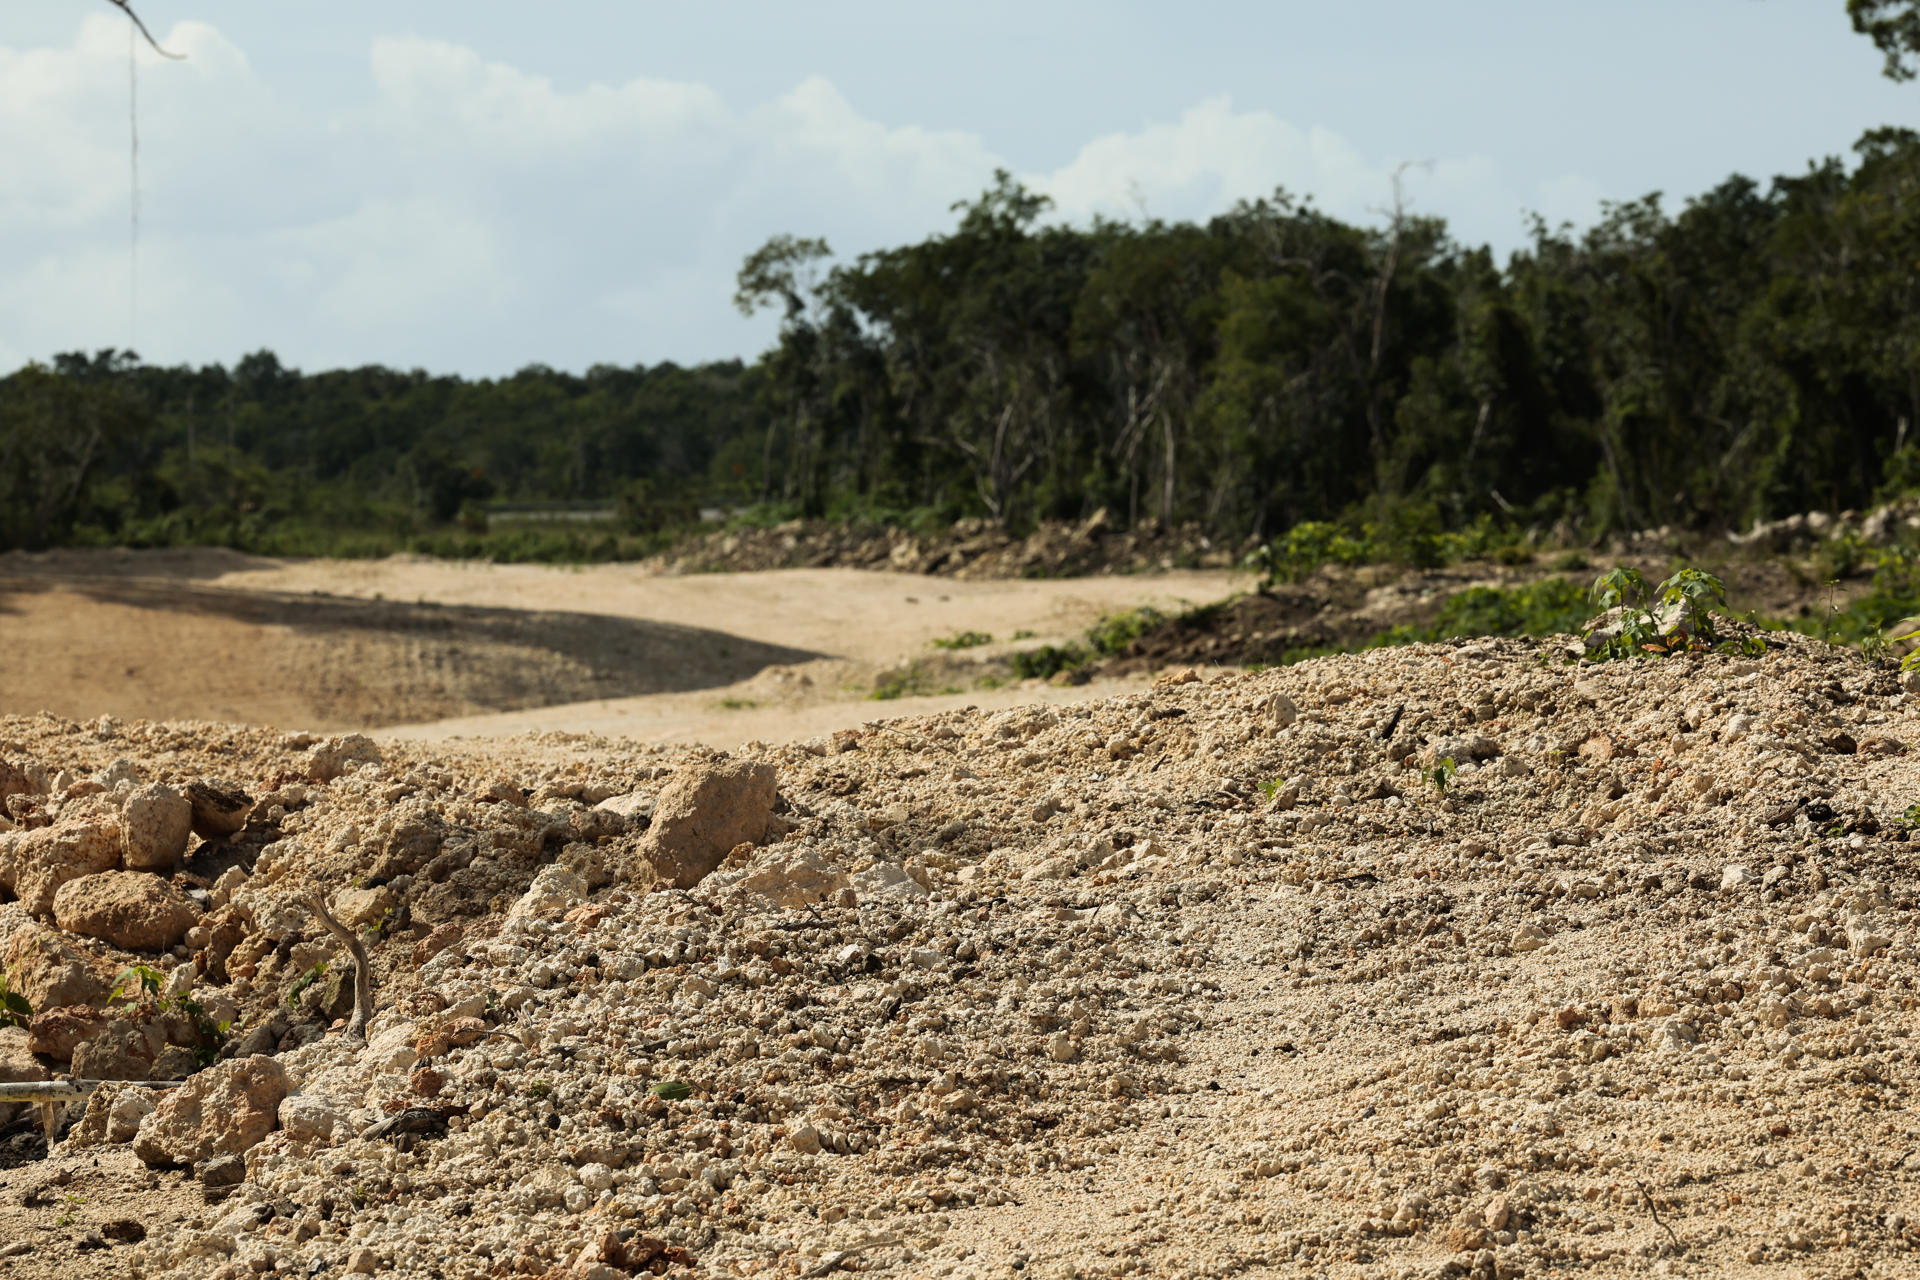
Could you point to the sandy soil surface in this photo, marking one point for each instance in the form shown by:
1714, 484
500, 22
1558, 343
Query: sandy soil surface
1218, 978
484, 648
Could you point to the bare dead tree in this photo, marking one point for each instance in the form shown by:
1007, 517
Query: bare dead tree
362, 970
126, 7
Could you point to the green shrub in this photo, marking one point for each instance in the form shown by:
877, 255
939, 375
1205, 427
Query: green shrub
1048, 661
1297, 553
1114, 633
963, 640
1675, 617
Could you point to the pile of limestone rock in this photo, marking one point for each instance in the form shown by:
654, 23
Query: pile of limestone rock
1451, 959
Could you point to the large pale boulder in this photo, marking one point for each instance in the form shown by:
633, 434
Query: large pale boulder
312, 1117
553, 890
154, 825
50, 971
792, 879
130, 909
335, 756
45, 859
120, 1051
17, 1066
56, 1033
113, 1114
12, 781
222, 1111
363, 908
131, 1042
702, 814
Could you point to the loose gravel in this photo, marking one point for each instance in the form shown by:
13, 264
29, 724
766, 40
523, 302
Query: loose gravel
1444, 960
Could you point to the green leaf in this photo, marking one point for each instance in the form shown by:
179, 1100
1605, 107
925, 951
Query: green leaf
672, 1090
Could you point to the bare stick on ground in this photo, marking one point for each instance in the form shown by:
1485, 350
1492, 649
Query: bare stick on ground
362, 971
1656, 1214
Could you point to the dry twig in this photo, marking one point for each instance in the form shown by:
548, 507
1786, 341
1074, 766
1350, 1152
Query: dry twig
840, 1257
1656, 1214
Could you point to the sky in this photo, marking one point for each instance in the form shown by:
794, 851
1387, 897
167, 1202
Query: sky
472, 186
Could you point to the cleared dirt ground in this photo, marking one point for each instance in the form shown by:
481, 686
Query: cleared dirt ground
448, 648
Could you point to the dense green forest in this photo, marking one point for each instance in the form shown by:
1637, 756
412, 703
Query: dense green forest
1752, 353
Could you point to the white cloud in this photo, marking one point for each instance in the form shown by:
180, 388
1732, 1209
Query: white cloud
1213, 157
470, 215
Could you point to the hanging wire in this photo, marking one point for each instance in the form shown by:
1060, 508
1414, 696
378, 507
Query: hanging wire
133, 203
133, 163
126, 7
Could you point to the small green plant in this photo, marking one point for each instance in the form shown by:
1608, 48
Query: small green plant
1441, 776
1295, 555
69, 1203
671, 1090
1271, 787
911, 681
1912, 661
306, 980
963, 640
212, 1034
1675, 617
14, 1008
136, 982
737, 704
539, 1089
1113, 633
1048, 661
1023, 634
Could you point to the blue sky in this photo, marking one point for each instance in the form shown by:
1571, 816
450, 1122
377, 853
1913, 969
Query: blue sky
471, 187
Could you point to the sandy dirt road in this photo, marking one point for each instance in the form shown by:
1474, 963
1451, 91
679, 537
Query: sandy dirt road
449, 648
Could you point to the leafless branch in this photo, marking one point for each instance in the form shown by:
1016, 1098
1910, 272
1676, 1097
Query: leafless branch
362, 971
126, 7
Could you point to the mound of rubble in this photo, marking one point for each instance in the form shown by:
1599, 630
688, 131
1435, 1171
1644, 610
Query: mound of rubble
1448, 959
969, 549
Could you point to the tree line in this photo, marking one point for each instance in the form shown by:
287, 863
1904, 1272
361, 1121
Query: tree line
1754, 352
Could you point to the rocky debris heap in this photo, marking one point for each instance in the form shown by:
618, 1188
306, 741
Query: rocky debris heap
1881, 527
1437, 960
970, 549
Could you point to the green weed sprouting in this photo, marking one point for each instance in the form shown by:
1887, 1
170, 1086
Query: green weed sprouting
962, 640
144, 982
307, 979
1441, 776
1104, 639
911, 681
1674, 617
141, 978
1048, 660
15, 1010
